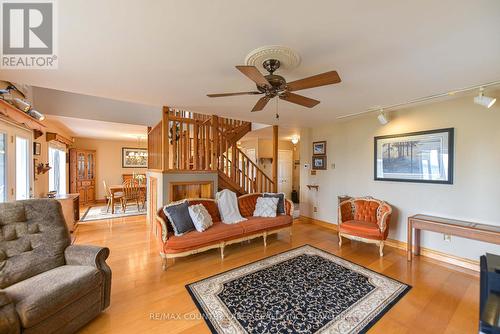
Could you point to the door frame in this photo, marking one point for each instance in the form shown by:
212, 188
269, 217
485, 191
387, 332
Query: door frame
14, 130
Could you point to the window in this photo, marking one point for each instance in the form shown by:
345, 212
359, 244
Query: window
57, 174
3, 167
16, 162
22, 168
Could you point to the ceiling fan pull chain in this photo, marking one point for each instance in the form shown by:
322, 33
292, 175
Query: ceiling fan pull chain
277, 115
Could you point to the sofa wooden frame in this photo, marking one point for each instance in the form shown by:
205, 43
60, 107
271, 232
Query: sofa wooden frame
221, 244
383, 218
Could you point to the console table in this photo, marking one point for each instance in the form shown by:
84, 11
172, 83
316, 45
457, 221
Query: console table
459, 228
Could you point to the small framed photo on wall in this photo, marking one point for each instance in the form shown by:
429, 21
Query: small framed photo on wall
319, 162
319, 148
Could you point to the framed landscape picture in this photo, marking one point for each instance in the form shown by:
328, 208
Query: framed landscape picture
318, 162
425, 157
319, 148
134, 157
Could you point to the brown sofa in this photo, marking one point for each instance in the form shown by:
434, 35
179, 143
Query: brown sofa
219, 234
47, 285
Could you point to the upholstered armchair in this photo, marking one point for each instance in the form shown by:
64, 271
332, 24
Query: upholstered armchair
364, 219
46, 284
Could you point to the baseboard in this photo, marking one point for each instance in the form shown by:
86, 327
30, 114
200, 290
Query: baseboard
430, 253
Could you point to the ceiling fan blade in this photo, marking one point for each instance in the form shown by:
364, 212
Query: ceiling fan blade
253, 74
261, 103
233, 94
299, 99
323, 79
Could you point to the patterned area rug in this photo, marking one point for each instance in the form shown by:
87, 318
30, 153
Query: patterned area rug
99, 213
304, 290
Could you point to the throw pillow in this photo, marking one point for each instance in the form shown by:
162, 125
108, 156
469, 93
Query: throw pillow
178, 215
200, 217
281, 202
266, 207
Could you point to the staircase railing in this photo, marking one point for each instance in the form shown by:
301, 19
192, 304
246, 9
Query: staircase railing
187, 141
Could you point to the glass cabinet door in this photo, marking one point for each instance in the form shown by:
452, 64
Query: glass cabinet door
81, 166
90, 165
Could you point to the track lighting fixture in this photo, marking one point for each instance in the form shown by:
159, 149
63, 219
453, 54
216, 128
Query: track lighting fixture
21, 104
382, 117
484, 101
36, 114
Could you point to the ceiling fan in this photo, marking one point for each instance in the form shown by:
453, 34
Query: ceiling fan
273, 85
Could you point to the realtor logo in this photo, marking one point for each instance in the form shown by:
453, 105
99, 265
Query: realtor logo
28, 31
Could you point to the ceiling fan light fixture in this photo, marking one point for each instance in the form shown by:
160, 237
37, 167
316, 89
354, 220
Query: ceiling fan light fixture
483, 100
382, 117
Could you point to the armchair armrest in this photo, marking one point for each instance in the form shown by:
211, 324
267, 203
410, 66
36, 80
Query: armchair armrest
345, 211
94, 256
384, 216
161, 225
9, 321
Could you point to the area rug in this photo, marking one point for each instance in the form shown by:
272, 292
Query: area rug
304, 290
99, 213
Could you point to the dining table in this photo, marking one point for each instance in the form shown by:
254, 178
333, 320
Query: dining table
119, 188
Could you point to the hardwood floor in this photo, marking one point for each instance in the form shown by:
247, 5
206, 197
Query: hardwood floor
145, 299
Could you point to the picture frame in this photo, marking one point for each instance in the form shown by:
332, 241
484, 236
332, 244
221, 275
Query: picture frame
37, 148
421, 157
319, 147
319, 162
134, 157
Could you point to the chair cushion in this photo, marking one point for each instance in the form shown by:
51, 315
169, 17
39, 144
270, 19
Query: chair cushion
218, 232
43, 295
257, 224
365, 210
363, 229
178, 215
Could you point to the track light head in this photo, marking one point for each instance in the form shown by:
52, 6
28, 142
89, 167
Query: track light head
36, 115
484, 101
382, 117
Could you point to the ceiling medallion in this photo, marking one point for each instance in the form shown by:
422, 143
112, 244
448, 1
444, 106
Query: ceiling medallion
288, 58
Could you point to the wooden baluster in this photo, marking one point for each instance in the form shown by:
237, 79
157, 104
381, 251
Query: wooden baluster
207, 147
196, 146
188, 146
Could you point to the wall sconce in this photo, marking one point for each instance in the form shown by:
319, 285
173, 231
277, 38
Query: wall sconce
295, 140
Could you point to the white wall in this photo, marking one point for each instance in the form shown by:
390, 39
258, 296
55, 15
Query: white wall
475, 194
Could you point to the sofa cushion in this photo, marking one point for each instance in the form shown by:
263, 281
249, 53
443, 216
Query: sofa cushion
246, 204
178, 215
218, 232
281, 203
43, 295
200, 217
258, 224
362, 229
266, 207
210, 205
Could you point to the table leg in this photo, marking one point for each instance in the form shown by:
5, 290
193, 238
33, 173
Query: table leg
112, 203
409, 246
417, 242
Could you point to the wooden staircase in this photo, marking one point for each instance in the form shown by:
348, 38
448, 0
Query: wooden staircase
188, 142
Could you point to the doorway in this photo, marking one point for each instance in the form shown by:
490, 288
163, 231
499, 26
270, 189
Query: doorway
285, 167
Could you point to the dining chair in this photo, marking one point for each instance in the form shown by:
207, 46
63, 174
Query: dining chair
117, 197
131, 193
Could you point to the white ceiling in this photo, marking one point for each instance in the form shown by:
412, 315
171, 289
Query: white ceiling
174, 52
85, 128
